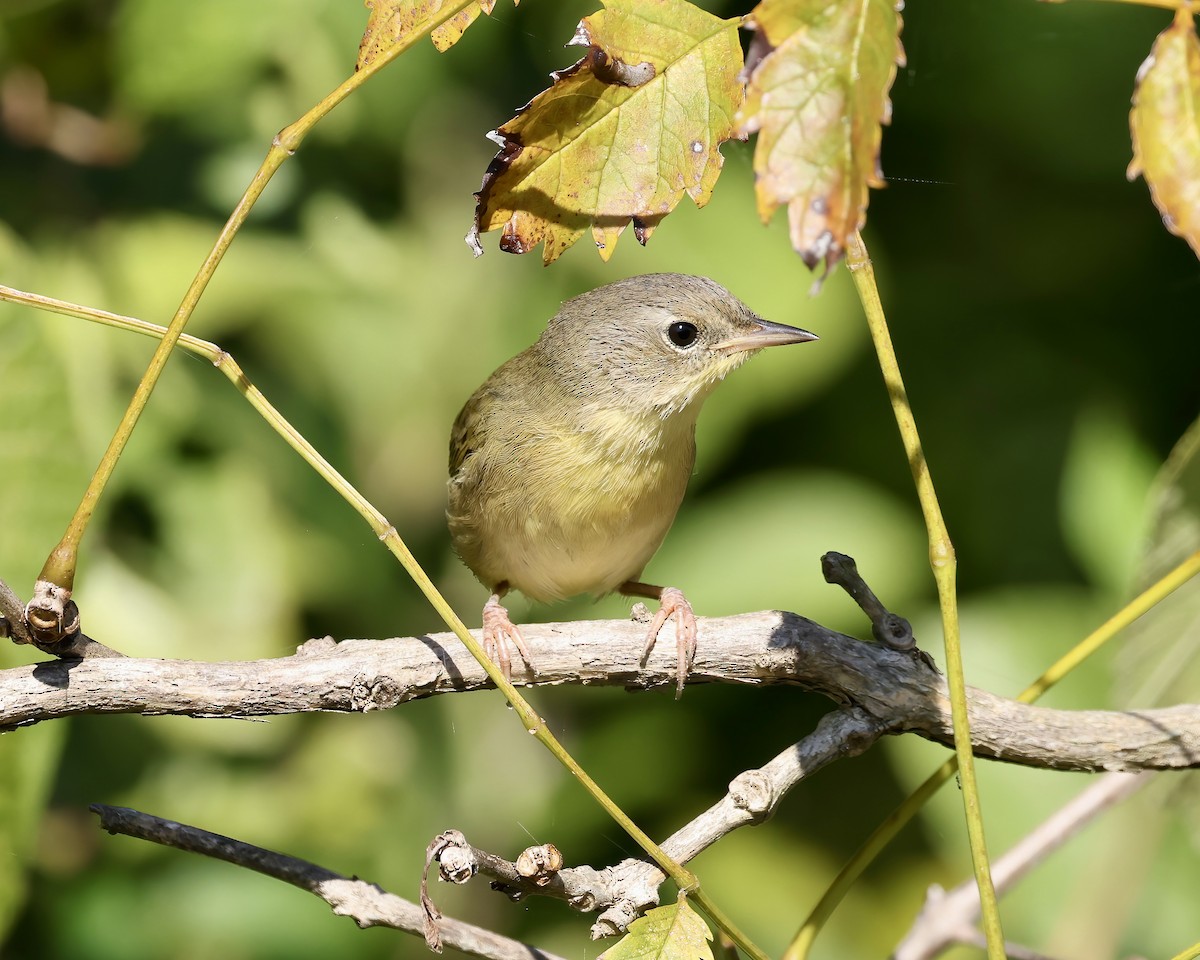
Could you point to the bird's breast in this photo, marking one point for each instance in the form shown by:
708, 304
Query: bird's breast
575, 511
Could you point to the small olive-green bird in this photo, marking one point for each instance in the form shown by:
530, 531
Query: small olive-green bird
568, 465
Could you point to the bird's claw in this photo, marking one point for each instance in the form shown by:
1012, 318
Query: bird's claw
674, 603
498, 632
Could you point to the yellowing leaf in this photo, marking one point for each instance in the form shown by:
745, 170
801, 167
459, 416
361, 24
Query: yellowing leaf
673, 932
448, 34
1165, 126
817, 100
621, 136
394, 24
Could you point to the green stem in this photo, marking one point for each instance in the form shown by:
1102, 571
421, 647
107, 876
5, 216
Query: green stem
684, 879
724, 923
1191, 953
942, 560
60, 565
887, 831
1162, 4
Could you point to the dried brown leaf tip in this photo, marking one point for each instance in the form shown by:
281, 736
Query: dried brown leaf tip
621, 136
1165, 126
395, 23
817, 99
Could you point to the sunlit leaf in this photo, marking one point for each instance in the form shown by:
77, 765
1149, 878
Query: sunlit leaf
621, 136
817, 100
673, 932
448, 34
1165, 126
394, 23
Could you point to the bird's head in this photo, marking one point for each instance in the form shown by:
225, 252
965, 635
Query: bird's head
659, 342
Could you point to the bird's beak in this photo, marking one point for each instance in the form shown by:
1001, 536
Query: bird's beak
765, 334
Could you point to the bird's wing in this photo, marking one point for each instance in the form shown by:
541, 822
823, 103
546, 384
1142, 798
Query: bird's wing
464, 434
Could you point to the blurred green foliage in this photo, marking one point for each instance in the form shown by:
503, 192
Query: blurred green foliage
1045, 321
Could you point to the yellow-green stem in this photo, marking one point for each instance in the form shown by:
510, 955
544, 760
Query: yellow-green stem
1162, 4
1191, 953
683, 878
900, 817
726, 925
942, 560
59, 568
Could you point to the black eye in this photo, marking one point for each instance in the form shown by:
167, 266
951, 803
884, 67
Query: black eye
682, 333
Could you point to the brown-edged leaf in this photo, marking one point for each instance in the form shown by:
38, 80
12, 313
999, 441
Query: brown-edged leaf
621, 136
817, 100
1165, 126
396, 23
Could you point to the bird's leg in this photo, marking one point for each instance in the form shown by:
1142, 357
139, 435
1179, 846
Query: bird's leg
498, 631
672, 602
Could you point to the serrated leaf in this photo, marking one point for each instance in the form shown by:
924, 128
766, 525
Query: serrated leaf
621, 136
817, 101
450, 32
1165, 127
673, 932
394, 23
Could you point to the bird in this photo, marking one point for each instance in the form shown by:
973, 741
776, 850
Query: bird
569, 463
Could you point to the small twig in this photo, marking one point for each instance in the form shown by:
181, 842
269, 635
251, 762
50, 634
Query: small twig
752, 798
12, 616
73, 645
365, 903
887, 627
624, 891
949, 917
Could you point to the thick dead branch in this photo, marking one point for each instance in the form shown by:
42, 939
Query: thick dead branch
894, 688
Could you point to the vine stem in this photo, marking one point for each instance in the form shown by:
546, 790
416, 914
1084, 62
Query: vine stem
684, 879
944, 565
887, 831
59, 568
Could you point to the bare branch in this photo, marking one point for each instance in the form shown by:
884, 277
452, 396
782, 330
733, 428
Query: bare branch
70, 644
949, 916
365, 903
896, 689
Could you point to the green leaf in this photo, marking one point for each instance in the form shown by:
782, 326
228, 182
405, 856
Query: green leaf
1165, 126
673, 932
621, 136
817, 100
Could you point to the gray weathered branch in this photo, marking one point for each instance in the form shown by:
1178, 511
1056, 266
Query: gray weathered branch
895, 688
365, 903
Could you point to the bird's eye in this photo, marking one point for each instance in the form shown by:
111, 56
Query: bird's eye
682, 333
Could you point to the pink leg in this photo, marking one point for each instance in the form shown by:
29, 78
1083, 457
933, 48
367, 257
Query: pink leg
674, 603
498, 632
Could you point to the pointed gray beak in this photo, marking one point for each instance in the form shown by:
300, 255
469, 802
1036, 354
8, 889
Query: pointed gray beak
766, 334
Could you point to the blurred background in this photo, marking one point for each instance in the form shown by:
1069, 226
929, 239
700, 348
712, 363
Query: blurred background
1044, 319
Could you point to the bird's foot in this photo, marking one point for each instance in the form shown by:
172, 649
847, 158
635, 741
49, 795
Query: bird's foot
498, 632
674, 604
